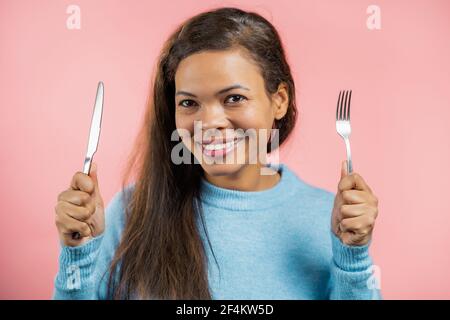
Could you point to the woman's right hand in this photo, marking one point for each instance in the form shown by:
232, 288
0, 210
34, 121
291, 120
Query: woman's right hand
80, 209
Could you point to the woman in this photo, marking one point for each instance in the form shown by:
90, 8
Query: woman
202, 229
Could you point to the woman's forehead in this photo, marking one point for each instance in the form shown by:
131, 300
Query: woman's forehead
215, 70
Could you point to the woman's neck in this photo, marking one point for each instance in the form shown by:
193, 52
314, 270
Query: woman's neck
248, 178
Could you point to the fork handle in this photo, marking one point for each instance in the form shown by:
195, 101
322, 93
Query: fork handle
349, 166
349, 156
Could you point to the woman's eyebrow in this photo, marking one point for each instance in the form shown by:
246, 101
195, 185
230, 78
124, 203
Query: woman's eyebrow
234, 86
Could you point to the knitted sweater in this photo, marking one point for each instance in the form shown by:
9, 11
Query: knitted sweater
269, 244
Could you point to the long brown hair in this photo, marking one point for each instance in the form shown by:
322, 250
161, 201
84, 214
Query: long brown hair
161, 254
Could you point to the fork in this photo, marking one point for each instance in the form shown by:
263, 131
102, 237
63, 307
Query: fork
343, 123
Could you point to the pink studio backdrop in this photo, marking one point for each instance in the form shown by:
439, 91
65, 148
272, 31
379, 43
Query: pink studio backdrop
399, 74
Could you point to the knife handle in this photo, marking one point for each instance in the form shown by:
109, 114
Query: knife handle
86, 170
87, 165
76, 236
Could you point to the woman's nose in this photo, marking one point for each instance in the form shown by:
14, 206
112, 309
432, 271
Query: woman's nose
213, 117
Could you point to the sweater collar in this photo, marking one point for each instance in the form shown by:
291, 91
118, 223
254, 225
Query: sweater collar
237, 200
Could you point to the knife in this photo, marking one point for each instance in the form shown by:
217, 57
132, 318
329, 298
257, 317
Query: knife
94, 135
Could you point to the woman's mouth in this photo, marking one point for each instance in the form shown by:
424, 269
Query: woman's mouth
215, 148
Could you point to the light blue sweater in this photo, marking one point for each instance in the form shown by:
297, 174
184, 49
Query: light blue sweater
270, 244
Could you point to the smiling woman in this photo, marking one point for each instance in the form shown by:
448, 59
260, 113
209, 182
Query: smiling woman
268, 234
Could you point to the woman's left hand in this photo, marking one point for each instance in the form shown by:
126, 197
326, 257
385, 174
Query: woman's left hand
355, 209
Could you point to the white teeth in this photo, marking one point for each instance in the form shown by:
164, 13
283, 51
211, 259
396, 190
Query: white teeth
219, 146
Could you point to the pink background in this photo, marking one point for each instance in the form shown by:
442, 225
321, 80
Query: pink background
400, 76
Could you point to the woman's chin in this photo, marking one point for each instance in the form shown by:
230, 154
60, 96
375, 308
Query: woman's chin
222, 169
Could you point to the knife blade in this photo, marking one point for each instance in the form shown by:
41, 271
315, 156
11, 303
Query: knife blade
94, 133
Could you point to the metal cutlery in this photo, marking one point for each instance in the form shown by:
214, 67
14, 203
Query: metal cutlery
94, 134
343, 127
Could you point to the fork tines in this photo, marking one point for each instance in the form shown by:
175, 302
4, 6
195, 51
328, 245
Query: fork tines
343, 105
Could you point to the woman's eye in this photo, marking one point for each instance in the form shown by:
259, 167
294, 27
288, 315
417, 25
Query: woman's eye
238, 96
182, 103
235, 98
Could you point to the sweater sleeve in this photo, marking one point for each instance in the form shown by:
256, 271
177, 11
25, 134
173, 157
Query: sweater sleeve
76, 276
84, 270
352, 276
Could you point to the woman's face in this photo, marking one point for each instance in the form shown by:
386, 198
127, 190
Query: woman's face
222, 94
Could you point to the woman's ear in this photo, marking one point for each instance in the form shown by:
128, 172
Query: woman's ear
280, 101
